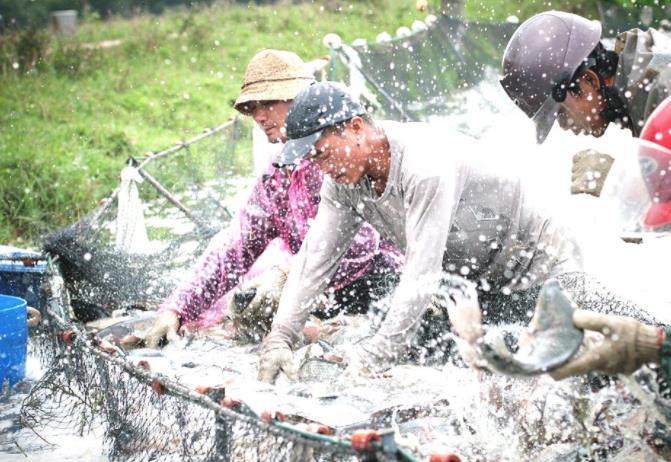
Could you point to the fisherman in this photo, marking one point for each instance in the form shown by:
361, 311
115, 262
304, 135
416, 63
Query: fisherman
555, 67
463, 225
628, 344
281, 206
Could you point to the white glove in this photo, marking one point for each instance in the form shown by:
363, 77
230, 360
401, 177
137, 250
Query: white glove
165, 327
254, 305
613, 345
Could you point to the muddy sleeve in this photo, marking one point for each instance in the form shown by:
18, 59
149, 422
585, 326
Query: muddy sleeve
227, 258
325, 243
429, 204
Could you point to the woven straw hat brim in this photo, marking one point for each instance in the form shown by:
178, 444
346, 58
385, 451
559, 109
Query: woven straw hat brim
273, 90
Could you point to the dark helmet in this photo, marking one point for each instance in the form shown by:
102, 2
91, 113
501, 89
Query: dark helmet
541, 60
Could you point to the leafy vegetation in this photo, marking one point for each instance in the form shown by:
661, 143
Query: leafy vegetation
74, 108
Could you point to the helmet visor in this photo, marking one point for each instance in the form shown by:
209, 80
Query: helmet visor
545, 118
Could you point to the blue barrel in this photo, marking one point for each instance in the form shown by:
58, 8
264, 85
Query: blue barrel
13, 339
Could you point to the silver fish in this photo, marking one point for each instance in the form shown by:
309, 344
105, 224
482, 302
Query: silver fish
551, 340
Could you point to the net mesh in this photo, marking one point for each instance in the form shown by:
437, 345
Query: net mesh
187, 194
421, 75
144, 415
182, 202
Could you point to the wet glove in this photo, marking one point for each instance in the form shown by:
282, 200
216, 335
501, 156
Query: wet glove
613, 345
459, 298
165, 327
275, 357
589, 171
253, 306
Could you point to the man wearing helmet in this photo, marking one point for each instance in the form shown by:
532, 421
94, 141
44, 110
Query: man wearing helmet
556, 68
281, 206
627, 344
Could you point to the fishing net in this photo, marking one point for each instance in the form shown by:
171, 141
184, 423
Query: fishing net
128, 255
423, 74
144, 415
131, 251
616, 19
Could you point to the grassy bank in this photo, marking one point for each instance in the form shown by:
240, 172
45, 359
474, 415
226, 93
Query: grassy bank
67, 126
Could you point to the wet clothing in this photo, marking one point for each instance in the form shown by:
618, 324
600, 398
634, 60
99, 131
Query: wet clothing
447, 212
281, 206
643, 78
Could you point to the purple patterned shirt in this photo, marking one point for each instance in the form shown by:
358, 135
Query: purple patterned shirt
281, 206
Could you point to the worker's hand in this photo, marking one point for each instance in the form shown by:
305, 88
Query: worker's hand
276, 356
613, 344
254, 305
165, 327
589, 171
459, 298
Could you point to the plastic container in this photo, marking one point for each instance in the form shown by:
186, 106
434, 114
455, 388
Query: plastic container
21, 274
13, 339
63, 22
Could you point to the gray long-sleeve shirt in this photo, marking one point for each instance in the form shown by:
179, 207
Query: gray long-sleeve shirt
445, 210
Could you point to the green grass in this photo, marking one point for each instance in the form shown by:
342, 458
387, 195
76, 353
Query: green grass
67, 127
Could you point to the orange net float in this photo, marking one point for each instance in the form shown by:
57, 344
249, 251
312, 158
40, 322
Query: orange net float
320, 429
314, 427
270, 416
230, 403
444, 457
67, 336
362, 440
214, 393
157, 387
144, 364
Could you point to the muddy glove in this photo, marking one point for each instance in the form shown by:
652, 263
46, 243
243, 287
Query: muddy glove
165, 327
589, 171
276, 356
623, 346
253, 306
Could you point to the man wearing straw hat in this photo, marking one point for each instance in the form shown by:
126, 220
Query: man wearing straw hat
280, 208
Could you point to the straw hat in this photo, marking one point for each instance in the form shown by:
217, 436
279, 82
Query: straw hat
273, 75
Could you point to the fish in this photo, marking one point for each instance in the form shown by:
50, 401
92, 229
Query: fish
128, 331
551, 340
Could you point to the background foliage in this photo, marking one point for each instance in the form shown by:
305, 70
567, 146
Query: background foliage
74, 108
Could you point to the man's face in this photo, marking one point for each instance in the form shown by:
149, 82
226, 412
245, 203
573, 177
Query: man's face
270, 117
581, 113
337, 155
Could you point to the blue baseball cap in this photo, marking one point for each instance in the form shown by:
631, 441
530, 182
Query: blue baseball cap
319, 106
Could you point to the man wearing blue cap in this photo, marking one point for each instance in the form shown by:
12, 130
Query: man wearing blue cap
449, 213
